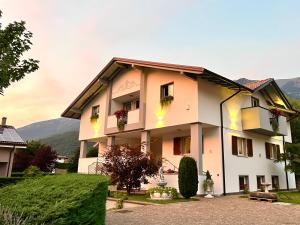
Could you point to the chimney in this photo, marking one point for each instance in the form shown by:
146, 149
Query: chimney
3, 121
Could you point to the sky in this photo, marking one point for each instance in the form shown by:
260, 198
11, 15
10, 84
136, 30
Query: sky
75, 39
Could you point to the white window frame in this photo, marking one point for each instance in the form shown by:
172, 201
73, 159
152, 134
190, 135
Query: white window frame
273, 152
242, 148
246, 181
95, 110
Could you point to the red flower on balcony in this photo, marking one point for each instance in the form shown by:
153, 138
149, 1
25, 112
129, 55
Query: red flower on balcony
275, 113
121, 113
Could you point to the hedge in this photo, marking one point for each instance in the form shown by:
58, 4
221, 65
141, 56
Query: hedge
60, 199
63, 166
4, 181
17, 174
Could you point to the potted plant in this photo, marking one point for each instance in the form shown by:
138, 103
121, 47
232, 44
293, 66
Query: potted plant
275, 114
121, 118
165, 101
94, 117
208, 185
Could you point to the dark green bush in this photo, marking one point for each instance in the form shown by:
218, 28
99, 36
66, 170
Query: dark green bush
33, 171
188, 177
92, 152
63, 166
60, 199
4, 181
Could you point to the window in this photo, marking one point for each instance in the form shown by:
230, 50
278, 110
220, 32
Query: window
95, 111
181, 145
242, 146
260, 180
275, 183
272, 151
167, 90
244, 183
132, 105
254, 102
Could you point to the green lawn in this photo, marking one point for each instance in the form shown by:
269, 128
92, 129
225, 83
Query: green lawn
289, 197
146, 198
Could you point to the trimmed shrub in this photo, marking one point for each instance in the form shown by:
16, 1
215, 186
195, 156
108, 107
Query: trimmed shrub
4, 181
188, 177
33, 171
17, 174
60, 199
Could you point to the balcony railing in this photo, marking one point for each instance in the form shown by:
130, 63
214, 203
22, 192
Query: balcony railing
133, 117
259, 119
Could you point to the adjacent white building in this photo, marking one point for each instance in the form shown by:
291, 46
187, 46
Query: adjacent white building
185, 110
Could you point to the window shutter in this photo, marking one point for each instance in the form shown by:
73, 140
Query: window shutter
268, 146
176, 146
234, 145
278, 151
250, 147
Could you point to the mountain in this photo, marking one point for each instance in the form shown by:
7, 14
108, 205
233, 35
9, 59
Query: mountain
63, 144
48, 128
61, 134
290, 86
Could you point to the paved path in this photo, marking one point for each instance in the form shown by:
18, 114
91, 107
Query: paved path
229, 210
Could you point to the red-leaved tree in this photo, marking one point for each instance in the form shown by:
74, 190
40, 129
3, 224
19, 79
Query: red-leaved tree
22, 160
44, 158
128, 166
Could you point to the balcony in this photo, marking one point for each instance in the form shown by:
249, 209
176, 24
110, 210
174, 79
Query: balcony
133, 117
258, 119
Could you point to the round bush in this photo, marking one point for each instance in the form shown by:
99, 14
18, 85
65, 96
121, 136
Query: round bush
188, 177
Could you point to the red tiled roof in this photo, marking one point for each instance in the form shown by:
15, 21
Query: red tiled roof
256, 84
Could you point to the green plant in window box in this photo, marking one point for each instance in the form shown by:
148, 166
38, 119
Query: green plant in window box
275, 114
94, 117
165, 101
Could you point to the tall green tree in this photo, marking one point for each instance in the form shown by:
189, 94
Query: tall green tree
295, 123
14, 42
292, 157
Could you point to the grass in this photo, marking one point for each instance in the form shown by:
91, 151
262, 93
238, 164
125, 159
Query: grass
289, 197
146, 198
60, 199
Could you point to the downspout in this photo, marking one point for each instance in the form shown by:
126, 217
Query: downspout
9, 161
286, 175
222, 138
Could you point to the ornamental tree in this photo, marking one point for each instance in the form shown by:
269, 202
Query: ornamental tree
128, 166
292, 157
44, 158
14, 42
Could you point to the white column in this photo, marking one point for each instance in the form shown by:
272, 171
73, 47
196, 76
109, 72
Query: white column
83, 149
101, 148
111, 141
196, 145
145, 141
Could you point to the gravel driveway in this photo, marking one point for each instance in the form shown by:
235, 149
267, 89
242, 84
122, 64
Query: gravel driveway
223, 210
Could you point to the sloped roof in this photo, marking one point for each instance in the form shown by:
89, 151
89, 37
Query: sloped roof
117, 64
258, 84
9, 136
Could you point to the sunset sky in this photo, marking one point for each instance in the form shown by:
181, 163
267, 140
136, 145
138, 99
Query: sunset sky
74, 39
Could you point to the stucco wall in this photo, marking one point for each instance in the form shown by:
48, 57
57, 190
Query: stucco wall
91, 129
183, 108
252, 166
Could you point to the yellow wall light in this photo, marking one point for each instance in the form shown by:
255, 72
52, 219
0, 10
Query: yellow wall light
96, 127
160, 115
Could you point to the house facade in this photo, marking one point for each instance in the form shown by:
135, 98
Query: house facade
10, 141
235, 131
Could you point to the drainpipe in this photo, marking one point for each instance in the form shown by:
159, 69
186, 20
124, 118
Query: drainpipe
222, 138
286, 175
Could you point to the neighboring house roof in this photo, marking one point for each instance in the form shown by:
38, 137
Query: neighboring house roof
9, 136
118, 64
257, 84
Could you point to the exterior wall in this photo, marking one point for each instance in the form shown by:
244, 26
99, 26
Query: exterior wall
83, 164
252, 166
6, 161
92, 129
183, 108
126, 83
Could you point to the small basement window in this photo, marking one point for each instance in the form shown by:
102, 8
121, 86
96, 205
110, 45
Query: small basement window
275, 182
244, 183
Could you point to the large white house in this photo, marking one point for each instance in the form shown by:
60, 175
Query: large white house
234, 131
